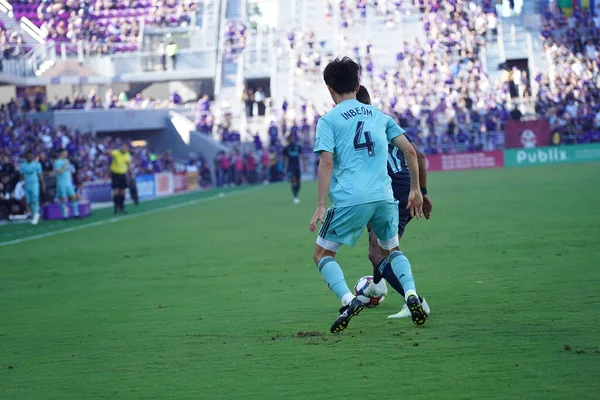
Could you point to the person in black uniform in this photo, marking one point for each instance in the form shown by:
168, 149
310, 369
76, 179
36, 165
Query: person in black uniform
291, 155
400, 176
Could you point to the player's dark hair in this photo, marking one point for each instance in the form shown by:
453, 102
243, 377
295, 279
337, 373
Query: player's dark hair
342, 75
363, 95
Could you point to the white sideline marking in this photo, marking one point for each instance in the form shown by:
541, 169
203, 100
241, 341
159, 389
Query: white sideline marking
124, 217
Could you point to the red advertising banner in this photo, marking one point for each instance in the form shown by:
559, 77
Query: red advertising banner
527, 134
163, 183
180, 181
458, 161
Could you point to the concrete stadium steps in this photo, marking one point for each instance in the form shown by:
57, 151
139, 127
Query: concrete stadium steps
235, 9
493, 59
282, 81
515, 39
10, 23
385, 42
230, 69
312, 16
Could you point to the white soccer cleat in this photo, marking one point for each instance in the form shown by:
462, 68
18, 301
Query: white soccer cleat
36, 219
405, 312
371, 290
296, 201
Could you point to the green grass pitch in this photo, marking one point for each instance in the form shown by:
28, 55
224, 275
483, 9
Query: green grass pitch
206, 301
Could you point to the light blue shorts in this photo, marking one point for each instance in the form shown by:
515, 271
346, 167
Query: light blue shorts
344, 225
65, 190
32, 194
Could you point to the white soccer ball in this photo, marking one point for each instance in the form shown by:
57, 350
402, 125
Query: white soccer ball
373, 300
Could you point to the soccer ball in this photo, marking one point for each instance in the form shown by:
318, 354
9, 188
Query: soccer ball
372, 301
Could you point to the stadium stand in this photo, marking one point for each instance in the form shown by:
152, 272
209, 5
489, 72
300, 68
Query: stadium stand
569, 95
114, 26
11, 43
450, 80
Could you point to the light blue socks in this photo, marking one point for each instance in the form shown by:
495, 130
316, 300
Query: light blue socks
334, 277
401, 268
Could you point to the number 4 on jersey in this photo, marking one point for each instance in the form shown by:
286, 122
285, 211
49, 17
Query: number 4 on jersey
368, 144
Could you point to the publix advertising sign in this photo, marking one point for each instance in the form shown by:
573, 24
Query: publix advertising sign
551, 155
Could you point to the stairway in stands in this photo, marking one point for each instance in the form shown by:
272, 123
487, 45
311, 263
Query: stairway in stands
229, 90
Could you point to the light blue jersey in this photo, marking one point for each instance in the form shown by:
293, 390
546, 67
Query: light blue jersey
63, 178
358, 136
31, 171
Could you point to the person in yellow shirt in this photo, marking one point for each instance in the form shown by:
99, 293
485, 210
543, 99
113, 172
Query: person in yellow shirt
172, 50
119, 169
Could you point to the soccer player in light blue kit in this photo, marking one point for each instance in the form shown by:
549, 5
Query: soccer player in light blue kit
64, 185
31, 171
352, 140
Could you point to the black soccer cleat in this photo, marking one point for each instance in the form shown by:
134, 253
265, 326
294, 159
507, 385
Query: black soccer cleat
419, 316
346, 313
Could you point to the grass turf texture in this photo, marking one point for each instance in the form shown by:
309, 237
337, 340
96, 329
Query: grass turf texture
214, 300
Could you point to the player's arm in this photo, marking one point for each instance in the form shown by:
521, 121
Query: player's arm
396, 135
63, 168
324, 145
324, 177
325, 172
427, 204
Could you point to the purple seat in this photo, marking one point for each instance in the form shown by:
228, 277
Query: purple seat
53, 211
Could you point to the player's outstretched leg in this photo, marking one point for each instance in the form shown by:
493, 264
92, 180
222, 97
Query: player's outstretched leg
383, 269
64, 209
401, 269
334, 277
295, 190
116, 201
34, 206
295, 180
75, 206
375, 255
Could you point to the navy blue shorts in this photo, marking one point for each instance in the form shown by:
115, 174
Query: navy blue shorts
401, 194
294, 173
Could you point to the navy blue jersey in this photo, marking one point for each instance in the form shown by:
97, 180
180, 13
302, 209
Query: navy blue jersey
398, 170
292, 152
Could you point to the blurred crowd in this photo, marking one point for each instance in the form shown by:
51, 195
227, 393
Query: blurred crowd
89, 155
438, 89
235, 38
111, 25
93, 100
569, 95
11, 43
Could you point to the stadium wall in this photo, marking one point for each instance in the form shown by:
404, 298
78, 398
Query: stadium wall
115, 120
515, 157
552, 155
162, 129
149, 186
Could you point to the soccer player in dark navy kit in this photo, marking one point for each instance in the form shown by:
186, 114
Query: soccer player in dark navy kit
291, 155
398, 171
